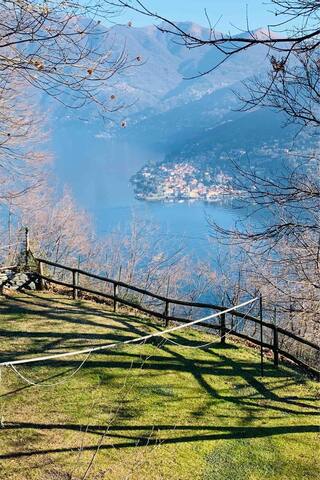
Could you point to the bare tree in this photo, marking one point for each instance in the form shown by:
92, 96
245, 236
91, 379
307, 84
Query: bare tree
282, 253
143, 257
22, 139
281, 250
50, 48
62, 49
293, 55
58, 49
59, 229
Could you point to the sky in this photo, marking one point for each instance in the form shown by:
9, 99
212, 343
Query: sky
230, 14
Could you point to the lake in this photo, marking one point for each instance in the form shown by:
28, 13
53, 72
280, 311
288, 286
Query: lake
98, 170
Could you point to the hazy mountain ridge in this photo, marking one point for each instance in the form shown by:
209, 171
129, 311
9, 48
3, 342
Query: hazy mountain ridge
258, 138
193, 120
197, 120
171, 109
161, 82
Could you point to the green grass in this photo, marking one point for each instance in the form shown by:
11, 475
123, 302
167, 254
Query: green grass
147, 412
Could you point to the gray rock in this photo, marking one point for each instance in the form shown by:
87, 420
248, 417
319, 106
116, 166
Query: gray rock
15, 281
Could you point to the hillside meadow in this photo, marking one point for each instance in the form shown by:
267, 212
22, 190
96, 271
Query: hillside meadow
150, 411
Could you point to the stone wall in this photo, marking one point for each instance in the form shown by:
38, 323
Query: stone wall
18, 280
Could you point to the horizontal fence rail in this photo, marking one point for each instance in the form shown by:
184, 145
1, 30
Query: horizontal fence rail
10, 267
272, 333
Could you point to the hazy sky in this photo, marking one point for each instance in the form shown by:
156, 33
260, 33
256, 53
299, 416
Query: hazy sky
232, 12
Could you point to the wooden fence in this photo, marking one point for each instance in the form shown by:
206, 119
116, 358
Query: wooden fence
269, 332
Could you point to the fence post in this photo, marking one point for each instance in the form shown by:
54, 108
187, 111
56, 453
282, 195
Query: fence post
115, 294
223, 329
40, 271
275, 340
261, 334
275, 347
74, 283
27, 245
167, 313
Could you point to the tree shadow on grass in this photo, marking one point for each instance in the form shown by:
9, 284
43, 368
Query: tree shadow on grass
20, 306
124, 327
249, 372
131, 436
20, 389
78, 306
203, 369
142, 435
262, 388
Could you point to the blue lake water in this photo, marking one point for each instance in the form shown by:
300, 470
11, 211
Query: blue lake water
98, 171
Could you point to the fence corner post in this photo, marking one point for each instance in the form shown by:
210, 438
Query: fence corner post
74, 284
40, 272
167, 313
223, 329
115, 295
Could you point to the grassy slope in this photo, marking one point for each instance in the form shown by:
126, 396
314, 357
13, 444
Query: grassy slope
166, 412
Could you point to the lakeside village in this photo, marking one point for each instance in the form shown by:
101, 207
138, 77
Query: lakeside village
181, 182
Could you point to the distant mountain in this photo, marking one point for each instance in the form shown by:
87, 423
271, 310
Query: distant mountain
173, 127
260, 138
185, 119
163, 81
168, 75
168, 105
